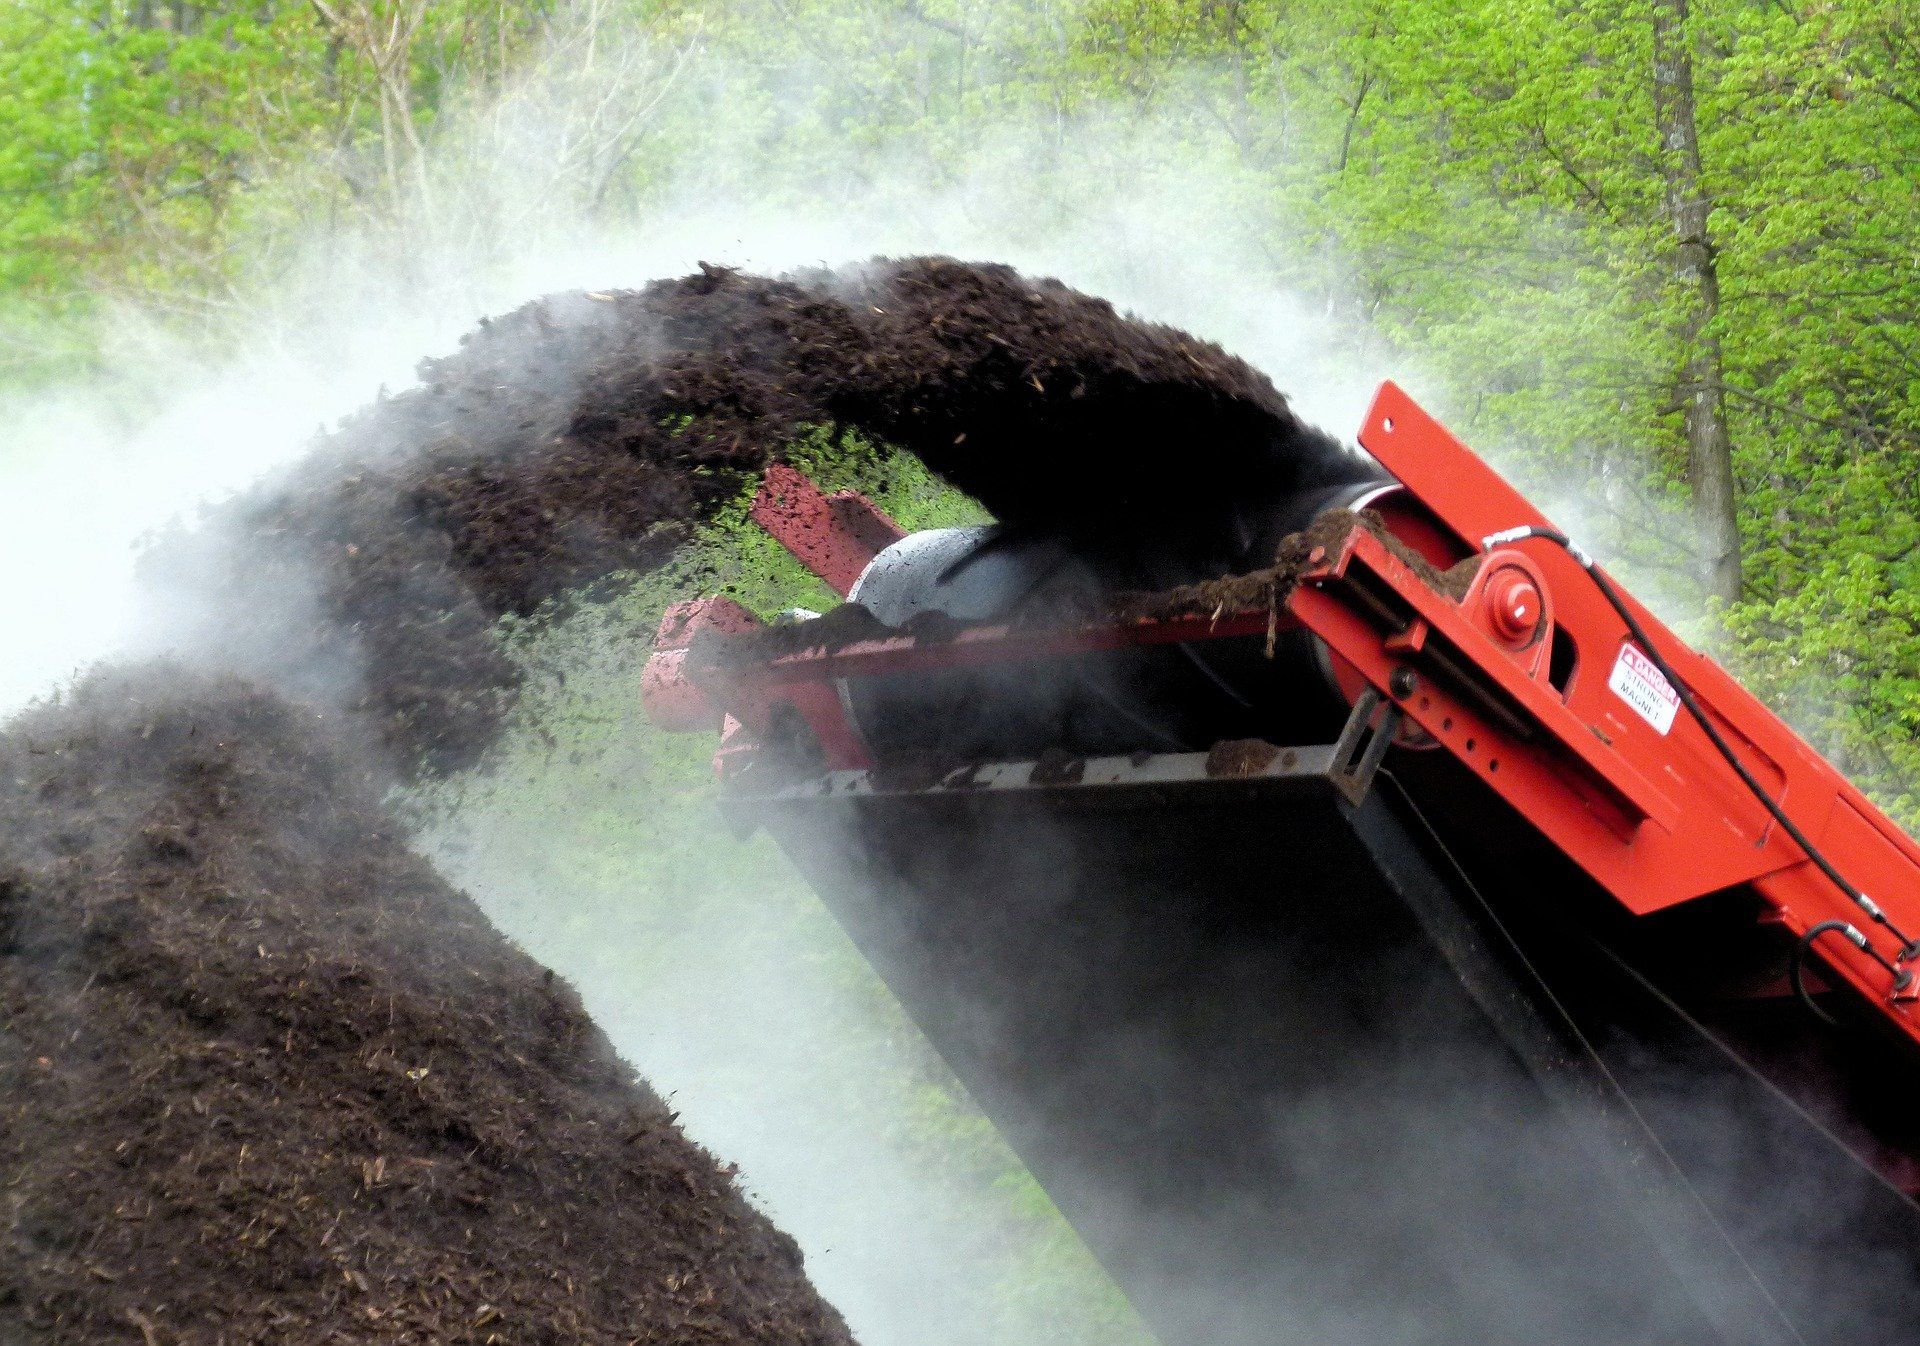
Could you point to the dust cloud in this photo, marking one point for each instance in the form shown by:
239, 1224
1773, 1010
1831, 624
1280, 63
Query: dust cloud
590, 841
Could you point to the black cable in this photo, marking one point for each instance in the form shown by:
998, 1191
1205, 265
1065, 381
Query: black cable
1908, 948
1796, 965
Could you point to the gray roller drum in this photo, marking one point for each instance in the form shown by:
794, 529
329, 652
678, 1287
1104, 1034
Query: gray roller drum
1166, 698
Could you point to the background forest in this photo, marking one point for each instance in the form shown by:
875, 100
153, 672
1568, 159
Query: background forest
1666, 249
1661, 258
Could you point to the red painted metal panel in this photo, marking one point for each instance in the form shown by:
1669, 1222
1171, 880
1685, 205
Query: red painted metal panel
834, 536
670, 698
1721, 822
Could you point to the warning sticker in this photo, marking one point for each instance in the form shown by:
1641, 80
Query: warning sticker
1638, 683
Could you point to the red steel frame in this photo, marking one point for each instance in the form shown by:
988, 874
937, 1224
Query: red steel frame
1654, 815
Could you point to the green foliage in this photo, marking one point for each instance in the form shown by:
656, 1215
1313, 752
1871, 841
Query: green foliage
144, 137
1491, 175
131, 127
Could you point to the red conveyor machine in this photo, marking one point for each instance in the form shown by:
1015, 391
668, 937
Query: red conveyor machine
1430, 821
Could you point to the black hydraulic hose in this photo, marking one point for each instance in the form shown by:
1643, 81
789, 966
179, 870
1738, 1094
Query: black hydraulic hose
1796, 964
1902, 978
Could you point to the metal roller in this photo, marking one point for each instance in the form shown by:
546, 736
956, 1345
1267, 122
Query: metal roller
1165, 698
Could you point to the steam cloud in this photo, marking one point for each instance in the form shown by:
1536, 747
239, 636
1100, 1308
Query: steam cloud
507, 210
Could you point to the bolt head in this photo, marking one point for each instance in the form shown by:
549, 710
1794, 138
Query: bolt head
1514, 606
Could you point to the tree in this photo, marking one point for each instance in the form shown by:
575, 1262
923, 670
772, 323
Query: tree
1701, 385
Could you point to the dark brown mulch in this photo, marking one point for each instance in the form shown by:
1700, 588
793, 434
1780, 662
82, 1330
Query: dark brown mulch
579, 438
265, 1077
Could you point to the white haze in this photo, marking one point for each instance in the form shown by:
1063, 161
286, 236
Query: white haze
322, 324
507, 214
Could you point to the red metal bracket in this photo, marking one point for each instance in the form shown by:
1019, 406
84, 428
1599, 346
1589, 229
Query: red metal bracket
835, 536
670, 698
1721, 835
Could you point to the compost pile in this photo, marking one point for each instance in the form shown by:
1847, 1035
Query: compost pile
264, 1075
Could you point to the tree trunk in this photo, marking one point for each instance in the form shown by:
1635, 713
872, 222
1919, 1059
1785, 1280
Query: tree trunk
1688, 207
